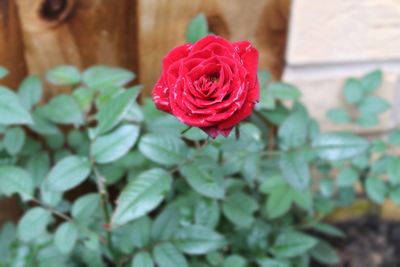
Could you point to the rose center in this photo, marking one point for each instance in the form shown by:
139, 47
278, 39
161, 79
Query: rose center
207, 84
214, 77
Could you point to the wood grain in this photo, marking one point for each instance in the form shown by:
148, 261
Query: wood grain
11, 44
78, 32
163, 23
11, 57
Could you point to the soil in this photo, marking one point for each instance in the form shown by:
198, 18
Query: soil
369, 242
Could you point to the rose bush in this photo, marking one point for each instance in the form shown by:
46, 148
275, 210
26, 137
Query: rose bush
211, 84
106, 180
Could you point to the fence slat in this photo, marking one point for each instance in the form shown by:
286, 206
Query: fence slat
79, 32
163, 24
11, 44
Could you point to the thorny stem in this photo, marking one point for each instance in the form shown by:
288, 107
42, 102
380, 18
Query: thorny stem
101, 188
52, 210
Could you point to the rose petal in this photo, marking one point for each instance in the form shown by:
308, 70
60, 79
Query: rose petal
160, 96
175, 55
202, 43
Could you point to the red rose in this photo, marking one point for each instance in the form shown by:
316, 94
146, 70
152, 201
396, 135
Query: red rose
211, 84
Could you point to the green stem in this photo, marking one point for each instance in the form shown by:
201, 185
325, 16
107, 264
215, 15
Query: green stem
106, 213
52, 210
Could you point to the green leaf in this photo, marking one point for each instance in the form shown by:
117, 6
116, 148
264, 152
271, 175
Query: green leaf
101, 76
326, 187
347, 177
195, 134
50, 198
215, 258
379, 146
115, 110
41, 124
110, 147
324, 253
239, 208
142, 259
277, 115
16, 180
68, 173
164, 149
167, 255
272, 263
394, 137
279, 202
141, 195
329, 230
38, 166
394, 170
293, 131
11, 109
367, 120
55, 141
14, 139
235, 261
30, 91
339, 146
267, 100
272, 183
140, 232
64, 75
197, 29
291, 244
84, 98
33, 224
284, 91
353, 92
7, 237
338, 115
3, 72
198, 240
373, 105
166, 223
85, 208
304, 199
64, 109
91, 240
65, 237
376, 189
371, 81
205, 177
295, 170
207, 213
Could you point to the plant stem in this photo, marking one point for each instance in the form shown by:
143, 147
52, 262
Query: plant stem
52, 210
272, 130
106, 213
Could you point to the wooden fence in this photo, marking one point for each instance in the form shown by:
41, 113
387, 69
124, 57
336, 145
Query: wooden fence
36, 35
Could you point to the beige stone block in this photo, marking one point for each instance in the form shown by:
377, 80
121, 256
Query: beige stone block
343, 31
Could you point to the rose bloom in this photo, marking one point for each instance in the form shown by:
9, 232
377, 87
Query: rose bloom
211, 84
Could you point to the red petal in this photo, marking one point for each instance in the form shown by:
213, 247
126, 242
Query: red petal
160, 96
175, 55
205, 41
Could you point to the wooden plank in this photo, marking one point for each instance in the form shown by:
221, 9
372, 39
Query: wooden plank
11, 57
78, 32
163, 25
11, 44
344, 31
